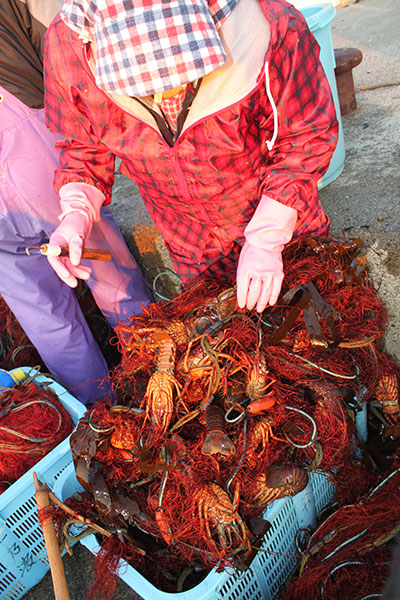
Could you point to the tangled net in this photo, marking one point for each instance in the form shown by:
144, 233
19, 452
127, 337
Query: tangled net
221, 411
15, 347
32, 422
349, 555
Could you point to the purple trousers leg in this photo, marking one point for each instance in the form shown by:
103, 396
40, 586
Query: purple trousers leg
50, 315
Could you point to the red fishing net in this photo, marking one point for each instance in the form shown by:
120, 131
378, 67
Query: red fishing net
349, 554
32, 422
221, 411
15, 347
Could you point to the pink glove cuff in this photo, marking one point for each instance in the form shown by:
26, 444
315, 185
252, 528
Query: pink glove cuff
271, 226
83, 198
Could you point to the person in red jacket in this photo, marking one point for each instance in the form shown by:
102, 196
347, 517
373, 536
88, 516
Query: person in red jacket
219, 111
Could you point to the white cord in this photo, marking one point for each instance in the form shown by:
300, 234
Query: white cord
270, 143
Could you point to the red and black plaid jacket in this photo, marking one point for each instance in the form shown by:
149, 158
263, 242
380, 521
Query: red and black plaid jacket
202, 191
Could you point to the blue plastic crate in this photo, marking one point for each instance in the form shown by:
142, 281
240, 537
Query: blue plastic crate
323, 490
23, 556
276, 559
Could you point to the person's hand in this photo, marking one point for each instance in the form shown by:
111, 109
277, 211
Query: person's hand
80, 204
72, 231
259, 273
259, 277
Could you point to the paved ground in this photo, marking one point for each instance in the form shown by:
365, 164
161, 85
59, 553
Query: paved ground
364, 201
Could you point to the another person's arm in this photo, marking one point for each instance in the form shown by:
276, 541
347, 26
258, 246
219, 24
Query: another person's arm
85, 175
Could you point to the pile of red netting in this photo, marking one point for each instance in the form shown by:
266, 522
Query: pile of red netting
15, 347
221, 411
32, 422
349, 554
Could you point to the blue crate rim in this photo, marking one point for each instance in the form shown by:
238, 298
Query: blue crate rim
213, 583
318, 16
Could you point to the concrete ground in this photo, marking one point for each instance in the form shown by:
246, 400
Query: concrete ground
364, 201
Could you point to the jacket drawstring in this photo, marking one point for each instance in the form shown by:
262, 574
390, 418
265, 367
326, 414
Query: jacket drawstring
270, 143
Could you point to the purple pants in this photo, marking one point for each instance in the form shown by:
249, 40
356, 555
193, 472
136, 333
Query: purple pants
46, 308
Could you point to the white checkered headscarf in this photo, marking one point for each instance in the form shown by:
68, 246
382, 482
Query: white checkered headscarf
145, 46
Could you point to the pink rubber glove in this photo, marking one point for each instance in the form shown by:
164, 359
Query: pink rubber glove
80, 204
259, 273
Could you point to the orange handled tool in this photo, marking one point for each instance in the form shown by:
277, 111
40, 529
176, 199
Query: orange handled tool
55, 250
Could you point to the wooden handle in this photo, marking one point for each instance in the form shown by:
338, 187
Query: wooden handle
50, 537
90, 253
95, 254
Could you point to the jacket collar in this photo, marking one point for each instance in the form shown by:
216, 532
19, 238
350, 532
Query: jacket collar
245, 35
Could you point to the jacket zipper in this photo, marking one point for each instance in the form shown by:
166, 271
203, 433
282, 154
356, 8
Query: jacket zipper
173, 150
184, 189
